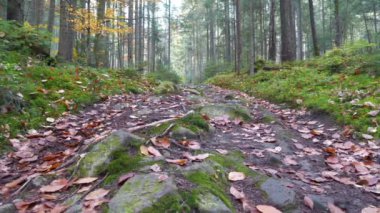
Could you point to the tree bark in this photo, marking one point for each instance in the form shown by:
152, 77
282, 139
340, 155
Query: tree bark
300, 30
288, 41
272, 31
238, 39
252, 39
227, 31
51, 16
100, 39
15, 10
313, 29
66, 31
338, 28
130, 34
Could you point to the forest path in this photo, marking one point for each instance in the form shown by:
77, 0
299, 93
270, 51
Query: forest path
300, 154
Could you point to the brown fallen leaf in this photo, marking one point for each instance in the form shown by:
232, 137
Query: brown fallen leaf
288, 160
161, 142
360, 168
331, 151
125, 178
84, 189
85, 180
55, 186
181, 162
267, 209
191, 144
153, 151
16, 182
334, 209
238, 195
308, 202
236, 176
97, 194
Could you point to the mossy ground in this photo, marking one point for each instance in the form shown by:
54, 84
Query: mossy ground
320, 85
194, 122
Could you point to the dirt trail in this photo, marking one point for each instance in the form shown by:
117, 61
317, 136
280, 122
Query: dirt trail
307, 155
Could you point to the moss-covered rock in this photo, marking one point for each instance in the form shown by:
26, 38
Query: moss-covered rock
100, 155
232, 111
210, 203
165, 87
8, 208
180, 133
141, 192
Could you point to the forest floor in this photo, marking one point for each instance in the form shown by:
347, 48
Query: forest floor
287, 159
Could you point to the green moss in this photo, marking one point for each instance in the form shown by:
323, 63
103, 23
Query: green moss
165, 87
234, 161
215, 183
183, 202
194, 122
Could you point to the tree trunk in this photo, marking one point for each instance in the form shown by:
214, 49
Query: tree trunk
100, 39
169, 32
15, 10
154, 37
313, 29
238, 39
300, 30
272, 31
3, 9
36, 12
323, 26
227, 31
338, 29
66, 31
51, 20
252, 39
130, 34
137, 20
366, 28
288, 41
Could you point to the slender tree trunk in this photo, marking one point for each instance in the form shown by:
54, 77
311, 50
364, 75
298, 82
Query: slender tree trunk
313, 29
227, 29
300, 30
323, 26
100, 39
130, 34
338, 28
366, 28
272, 31
51, 19
137, 20
288, 41
154, 37
15, 10
37, 12
169, 32
3, 9
252, 39
66, 31
238, 37
375, 21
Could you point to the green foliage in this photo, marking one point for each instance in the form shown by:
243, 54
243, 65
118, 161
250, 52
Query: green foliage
165, 87
213, 69
165, 75
23, 39
194, 122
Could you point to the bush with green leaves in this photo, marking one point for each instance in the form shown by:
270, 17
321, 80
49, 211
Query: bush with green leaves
165, 75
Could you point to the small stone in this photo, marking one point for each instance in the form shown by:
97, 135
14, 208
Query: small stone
278, 193
8, 208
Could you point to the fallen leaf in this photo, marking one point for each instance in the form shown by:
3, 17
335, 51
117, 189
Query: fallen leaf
331, 151
288, 160
334, 209
144, 150
16, 182
371, 209
161, 142
181, 162
307, 136
55, 186
85, 180
374, 113
222, 151
84, 189
153, 151
308, 202
199, 157
125, 178
50, 120
238, 195
367, 137
236, 176
317, 132
360, 168
97, 194
267, 209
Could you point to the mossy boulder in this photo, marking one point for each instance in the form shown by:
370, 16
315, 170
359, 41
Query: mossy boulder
232, 111
165, 87
8, 208
141, 192
210, 203
180, 133
100, 155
